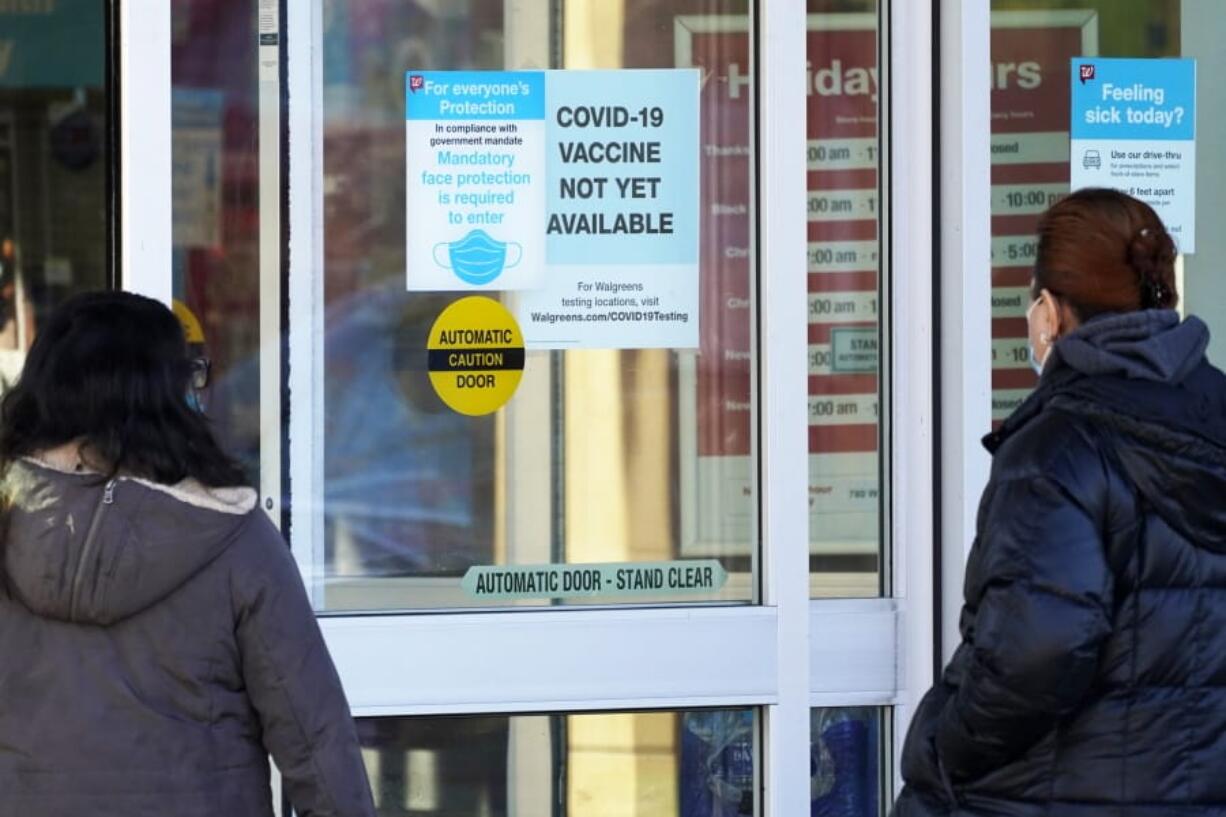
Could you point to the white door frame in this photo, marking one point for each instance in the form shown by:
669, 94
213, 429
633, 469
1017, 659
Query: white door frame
966, 291
144, 148
912, 486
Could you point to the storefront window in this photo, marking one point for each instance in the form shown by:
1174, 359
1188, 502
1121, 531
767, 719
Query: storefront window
624, 450
849, 746
842, 280
1033, 42
846, 289
696, 763
216, 188
55, 164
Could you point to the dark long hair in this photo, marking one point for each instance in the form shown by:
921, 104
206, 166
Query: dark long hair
110, 369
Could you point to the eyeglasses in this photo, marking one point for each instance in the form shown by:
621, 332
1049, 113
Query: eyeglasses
201, 368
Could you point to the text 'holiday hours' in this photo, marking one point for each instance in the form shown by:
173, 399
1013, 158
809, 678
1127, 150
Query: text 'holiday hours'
543, 182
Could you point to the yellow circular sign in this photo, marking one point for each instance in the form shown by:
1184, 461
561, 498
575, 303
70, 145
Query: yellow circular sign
475, 355
192, 330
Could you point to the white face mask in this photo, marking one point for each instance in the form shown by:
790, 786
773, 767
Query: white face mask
1035, 362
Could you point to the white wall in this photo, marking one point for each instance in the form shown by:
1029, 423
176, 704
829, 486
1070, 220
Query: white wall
1203, 25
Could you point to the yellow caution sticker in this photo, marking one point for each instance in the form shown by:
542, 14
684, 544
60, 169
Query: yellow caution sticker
475, 355
192, 330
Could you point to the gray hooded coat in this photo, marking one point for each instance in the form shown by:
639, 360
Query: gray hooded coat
157, 644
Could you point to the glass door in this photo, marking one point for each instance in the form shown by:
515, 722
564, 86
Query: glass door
667, 576
1049, 34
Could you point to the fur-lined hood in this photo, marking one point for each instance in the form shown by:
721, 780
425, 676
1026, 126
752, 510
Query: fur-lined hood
79, 547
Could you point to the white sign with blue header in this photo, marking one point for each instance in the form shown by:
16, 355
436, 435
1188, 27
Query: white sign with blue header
1134, 129
475, 154
578, 190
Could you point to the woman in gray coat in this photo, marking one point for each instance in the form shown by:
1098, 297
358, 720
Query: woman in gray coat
157, 641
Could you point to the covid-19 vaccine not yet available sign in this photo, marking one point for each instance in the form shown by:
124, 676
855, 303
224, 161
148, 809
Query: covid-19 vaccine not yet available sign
577, 190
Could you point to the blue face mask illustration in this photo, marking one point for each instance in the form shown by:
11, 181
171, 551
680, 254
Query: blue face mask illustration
477, 258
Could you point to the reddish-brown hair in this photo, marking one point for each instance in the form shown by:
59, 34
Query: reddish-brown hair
1104, 251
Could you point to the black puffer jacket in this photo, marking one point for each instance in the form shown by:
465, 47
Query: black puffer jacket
1091, 678
155, 645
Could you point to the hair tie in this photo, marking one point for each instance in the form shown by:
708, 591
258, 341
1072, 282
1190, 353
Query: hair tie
1154, 293
1145, 255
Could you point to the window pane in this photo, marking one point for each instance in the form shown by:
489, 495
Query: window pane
639, 459
215, 183
646, 764
845, 291
848, 761
55, 164
1032, 43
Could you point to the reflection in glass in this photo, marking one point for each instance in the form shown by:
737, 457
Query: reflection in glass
845, 291
602, 455
1032, 44
701, 763
54, 165
697, 763
846, 762
215, 192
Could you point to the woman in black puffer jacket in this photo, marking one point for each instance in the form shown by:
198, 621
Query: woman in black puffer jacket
1091, 678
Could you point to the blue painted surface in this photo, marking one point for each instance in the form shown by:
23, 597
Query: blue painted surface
53, 45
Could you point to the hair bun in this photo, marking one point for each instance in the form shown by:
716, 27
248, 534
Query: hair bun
1151, 254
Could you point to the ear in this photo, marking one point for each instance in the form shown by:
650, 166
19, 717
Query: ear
1047, 313
1057, 314
1066, 319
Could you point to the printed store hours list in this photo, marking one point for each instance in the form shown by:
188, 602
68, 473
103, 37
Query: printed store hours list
577, 190
1030, 171
841, 279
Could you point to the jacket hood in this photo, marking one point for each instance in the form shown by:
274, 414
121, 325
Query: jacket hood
1143, 380
1180, 474
79, 548
1152, 344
